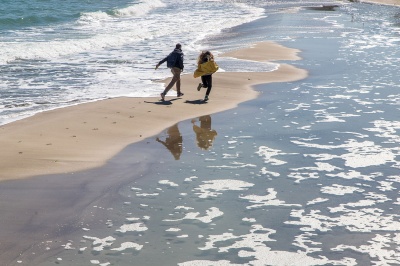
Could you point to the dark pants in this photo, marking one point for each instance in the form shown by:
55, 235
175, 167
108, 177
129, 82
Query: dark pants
207, 82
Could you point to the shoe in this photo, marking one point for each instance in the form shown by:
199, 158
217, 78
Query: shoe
180, 94
162, 96
206, 98
199, 86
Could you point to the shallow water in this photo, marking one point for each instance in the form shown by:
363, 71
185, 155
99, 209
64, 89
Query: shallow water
306, 174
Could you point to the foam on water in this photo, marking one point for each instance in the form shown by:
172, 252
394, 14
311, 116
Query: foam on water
108, 53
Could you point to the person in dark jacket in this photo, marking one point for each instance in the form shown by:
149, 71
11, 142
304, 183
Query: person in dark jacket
173, 142
175, 63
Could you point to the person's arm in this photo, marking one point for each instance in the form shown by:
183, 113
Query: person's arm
161, 62
162, 142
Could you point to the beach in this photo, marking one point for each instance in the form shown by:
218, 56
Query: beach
85, 136
294, 160
60, 143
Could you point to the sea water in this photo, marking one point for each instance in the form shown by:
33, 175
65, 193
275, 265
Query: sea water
58, 53
306, 174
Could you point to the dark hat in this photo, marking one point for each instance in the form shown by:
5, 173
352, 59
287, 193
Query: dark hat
178, 46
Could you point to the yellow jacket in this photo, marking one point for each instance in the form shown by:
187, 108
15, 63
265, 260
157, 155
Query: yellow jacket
206, 68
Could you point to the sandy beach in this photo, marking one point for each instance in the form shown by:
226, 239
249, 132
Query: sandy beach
87, 135
383, 2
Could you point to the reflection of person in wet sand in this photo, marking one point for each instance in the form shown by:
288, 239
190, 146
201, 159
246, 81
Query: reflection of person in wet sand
204, 135
173, 142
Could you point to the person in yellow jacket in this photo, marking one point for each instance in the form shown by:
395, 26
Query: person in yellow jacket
206, 66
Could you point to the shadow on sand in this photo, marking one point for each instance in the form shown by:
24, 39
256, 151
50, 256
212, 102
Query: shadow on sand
196, 101
165, 102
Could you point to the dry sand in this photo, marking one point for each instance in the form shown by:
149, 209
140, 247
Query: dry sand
383, 2
87, 135
265, 51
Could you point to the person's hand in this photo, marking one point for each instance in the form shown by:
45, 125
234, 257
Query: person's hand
157, 66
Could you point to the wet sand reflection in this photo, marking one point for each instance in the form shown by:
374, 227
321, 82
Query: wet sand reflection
173, 142
204, 134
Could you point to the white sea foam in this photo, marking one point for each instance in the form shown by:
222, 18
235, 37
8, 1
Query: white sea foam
257, 235
343, 207
168, 183
266, 256
147, 194
312, 172
338, 190
190, 179
173, 230
211, 214
135, 227
139, 9
368, 154
386, 186
233, 165
264, 171
386, 129
269, 153
316, 201
377, 248
208, 263
360, 154
68, 246
183, 208
355, 175
324, 116
249, 220
267, 200
100, 243
215, 188
128, 245
110, 53
354, 220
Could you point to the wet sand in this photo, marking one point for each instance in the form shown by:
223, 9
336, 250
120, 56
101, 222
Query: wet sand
85, 136
40, 214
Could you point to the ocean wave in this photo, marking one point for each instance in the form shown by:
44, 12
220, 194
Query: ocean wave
108, 52
135, 10
140, 9
93, 17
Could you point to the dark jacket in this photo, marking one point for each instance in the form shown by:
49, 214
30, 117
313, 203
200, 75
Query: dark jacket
174, 59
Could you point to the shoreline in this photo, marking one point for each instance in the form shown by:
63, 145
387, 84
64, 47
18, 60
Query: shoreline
85, 136
280, 178
383, 2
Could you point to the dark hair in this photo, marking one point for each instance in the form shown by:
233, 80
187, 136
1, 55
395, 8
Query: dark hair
204, 54
178, 46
